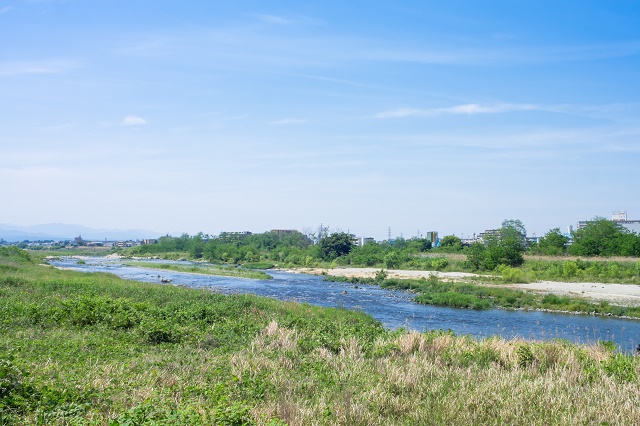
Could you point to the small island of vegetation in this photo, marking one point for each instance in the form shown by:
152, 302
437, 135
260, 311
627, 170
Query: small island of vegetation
207, 269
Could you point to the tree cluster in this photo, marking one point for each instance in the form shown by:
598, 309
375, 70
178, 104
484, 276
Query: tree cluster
505, 247
294, 248
603, 237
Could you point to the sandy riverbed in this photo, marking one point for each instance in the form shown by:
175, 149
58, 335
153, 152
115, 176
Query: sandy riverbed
616, 294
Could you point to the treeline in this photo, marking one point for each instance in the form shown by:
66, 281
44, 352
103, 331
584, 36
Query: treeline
289, 249
504, 247
600, 237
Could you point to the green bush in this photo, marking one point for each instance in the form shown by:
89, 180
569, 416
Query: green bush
511, 275
439, 264
620, 366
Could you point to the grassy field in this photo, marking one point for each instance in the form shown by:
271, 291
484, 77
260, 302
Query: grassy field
223, 271
93, 349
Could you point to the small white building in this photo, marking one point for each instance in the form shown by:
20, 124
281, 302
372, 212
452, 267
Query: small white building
620, 217
361, 241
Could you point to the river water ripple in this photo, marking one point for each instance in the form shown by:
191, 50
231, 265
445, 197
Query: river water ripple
394, 309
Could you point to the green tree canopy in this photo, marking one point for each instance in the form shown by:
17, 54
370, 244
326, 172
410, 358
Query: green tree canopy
506, 247
335, 245
553, 243
601, 237
451, 243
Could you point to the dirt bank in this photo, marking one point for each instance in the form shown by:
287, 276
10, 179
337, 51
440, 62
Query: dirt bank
392, 273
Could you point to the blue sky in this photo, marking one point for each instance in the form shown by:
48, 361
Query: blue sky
247, 115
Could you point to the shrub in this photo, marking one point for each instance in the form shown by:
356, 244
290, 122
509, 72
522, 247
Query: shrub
511, 275
381, 275
620, 366
569, 269
439, 264
158, 332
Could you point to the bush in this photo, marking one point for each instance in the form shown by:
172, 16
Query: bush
439, 264
158, 332
511, 275
569, 269
14, 253
620, 366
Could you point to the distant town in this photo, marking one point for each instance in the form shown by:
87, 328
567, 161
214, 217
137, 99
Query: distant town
618, 217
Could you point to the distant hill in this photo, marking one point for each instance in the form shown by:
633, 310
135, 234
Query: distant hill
61, 231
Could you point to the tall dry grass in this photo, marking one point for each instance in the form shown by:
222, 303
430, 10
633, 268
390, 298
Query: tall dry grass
440, 379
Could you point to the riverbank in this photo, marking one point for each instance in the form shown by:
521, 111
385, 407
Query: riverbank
216, 270
391, 273
167, 355
627, 295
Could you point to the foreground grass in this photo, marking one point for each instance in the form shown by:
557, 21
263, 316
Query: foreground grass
223, 271
473, 296
93, 349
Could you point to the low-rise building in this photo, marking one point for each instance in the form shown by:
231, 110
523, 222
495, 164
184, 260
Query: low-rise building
283, 231
620, 218
361, 241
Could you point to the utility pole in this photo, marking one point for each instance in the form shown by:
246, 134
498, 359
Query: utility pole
389, 239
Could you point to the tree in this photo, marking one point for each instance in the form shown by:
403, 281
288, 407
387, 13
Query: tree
335, 245
476, 256
515, 225
599, 237
392, 260
513, 237
367, 255
506, 247
419, 244
553, 243
451, 243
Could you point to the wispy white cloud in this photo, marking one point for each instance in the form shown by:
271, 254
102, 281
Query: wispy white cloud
290, 121
287, 20
464, 109
498, 56
133, 120
36, 67
5, 9
273, 19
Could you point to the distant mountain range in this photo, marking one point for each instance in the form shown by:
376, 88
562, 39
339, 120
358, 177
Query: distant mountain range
60, 231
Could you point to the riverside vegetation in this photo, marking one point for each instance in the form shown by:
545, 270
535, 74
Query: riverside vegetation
503, 252
217, 270
467, 295
94, 349
503, 258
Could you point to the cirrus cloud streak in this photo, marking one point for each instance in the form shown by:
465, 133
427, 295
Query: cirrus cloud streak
464, 109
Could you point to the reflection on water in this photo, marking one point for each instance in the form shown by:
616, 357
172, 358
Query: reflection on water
393, 309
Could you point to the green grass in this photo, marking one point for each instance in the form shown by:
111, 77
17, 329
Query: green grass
223, 271
258, 265
93, 349
577, 270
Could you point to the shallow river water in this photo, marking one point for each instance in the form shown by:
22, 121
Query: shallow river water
393, 309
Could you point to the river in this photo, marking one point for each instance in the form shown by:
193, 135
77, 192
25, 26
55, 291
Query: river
393, 309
